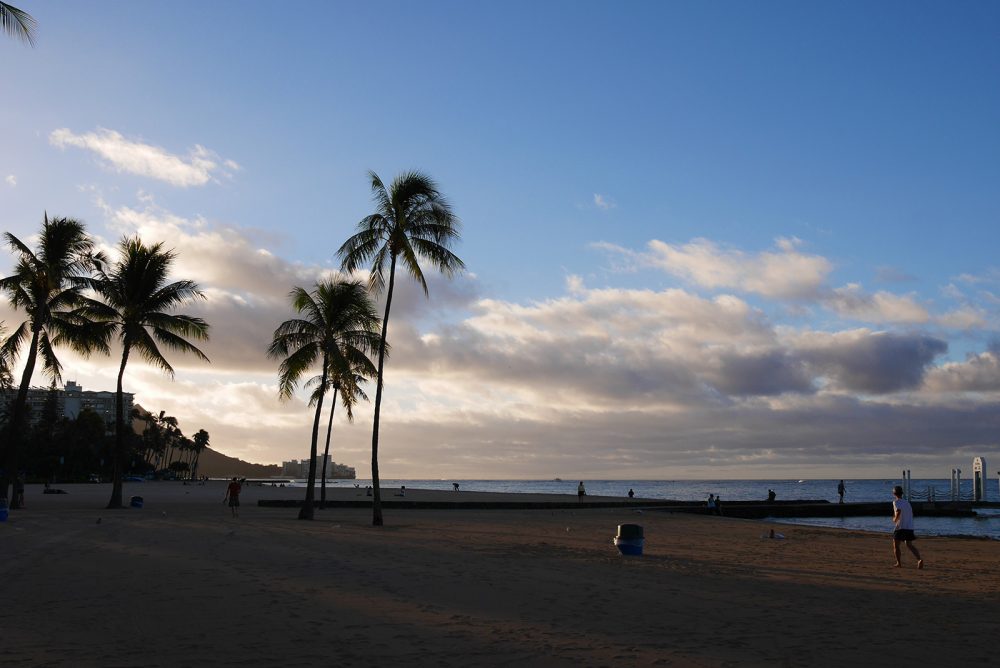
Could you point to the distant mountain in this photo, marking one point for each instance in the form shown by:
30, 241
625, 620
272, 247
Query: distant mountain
217, 465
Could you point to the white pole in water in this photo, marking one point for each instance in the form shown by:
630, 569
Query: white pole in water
954, 492
978, 479
958, 484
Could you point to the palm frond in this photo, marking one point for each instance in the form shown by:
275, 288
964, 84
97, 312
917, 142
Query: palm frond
18, 23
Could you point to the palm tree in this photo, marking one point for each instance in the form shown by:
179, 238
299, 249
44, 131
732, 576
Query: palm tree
47, 284
17, 23
411, 220
200, 440
338, 330
137, 300
349, 389
6, 377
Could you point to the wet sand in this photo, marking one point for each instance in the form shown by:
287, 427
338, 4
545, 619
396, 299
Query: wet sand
181, 583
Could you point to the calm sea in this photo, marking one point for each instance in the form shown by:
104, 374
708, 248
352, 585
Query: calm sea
986, 524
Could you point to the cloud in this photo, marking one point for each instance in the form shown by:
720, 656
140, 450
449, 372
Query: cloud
603, 203
784, 273
870, 362
196, 169
11, 180
978, 373
851, 301
594, 382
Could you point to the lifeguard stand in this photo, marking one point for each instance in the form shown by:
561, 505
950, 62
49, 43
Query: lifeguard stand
979, 479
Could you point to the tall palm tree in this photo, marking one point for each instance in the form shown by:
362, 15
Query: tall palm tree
412, 220
47, 284
348, 388
17, 23
337, 330
136, 309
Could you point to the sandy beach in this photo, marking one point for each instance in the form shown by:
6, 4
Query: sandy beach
181, 583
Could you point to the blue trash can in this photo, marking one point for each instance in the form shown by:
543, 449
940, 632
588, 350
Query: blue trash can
135, 502
630, 540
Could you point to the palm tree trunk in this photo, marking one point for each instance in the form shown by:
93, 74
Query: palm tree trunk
377, 495
119, 453
16, 426
306, 513
326, 450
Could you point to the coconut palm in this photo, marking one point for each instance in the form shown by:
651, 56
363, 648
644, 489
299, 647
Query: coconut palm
337, 330
348, 388
200, 440
6, 376
17, 23
412, 220
136, 309
47, 284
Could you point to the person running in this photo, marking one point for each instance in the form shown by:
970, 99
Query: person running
902, 518
840, 490
233, 496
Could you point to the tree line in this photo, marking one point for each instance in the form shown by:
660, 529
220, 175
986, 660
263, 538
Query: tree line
73, 296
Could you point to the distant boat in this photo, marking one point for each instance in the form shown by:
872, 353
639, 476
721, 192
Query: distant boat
557, 480
801, 480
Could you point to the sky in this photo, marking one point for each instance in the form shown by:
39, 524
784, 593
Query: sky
702, 240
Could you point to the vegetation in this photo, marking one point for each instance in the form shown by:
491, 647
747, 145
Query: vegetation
47, 285
135, 309
17, 23
348, 388
412, 220
337, 330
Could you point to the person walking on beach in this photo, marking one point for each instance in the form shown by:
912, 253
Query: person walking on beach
840, 490
902, 518
233, 496
580, 491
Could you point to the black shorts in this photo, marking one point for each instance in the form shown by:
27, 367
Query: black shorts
903, 535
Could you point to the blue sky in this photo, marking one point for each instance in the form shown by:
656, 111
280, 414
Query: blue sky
765, 232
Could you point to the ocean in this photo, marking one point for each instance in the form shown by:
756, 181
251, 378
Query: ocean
985, 525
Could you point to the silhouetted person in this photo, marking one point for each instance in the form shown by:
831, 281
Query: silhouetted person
840, 490
771, 495
233, 496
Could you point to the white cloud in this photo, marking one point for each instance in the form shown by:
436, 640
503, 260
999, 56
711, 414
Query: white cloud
603, 203
196, 169
785, 273
11, 180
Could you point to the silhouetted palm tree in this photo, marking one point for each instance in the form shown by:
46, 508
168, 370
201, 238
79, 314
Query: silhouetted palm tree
200, 443
17, 23
337, 331
136, 309
411, 220
348, 388
6, 375
47, 284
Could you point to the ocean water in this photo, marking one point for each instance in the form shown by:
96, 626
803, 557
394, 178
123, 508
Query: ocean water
986, 524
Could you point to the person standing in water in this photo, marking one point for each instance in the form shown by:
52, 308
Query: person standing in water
580, 491
840, 490
902, 518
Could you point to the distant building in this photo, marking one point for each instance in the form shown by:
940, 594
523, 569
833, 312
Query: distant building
71, 400
300, 469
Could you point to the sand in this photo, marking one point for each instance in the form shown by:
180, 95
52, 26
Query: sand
181, 583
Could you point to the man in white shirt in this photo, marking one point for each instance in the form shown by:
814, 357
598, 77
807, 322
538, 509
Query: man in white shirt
902, 517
